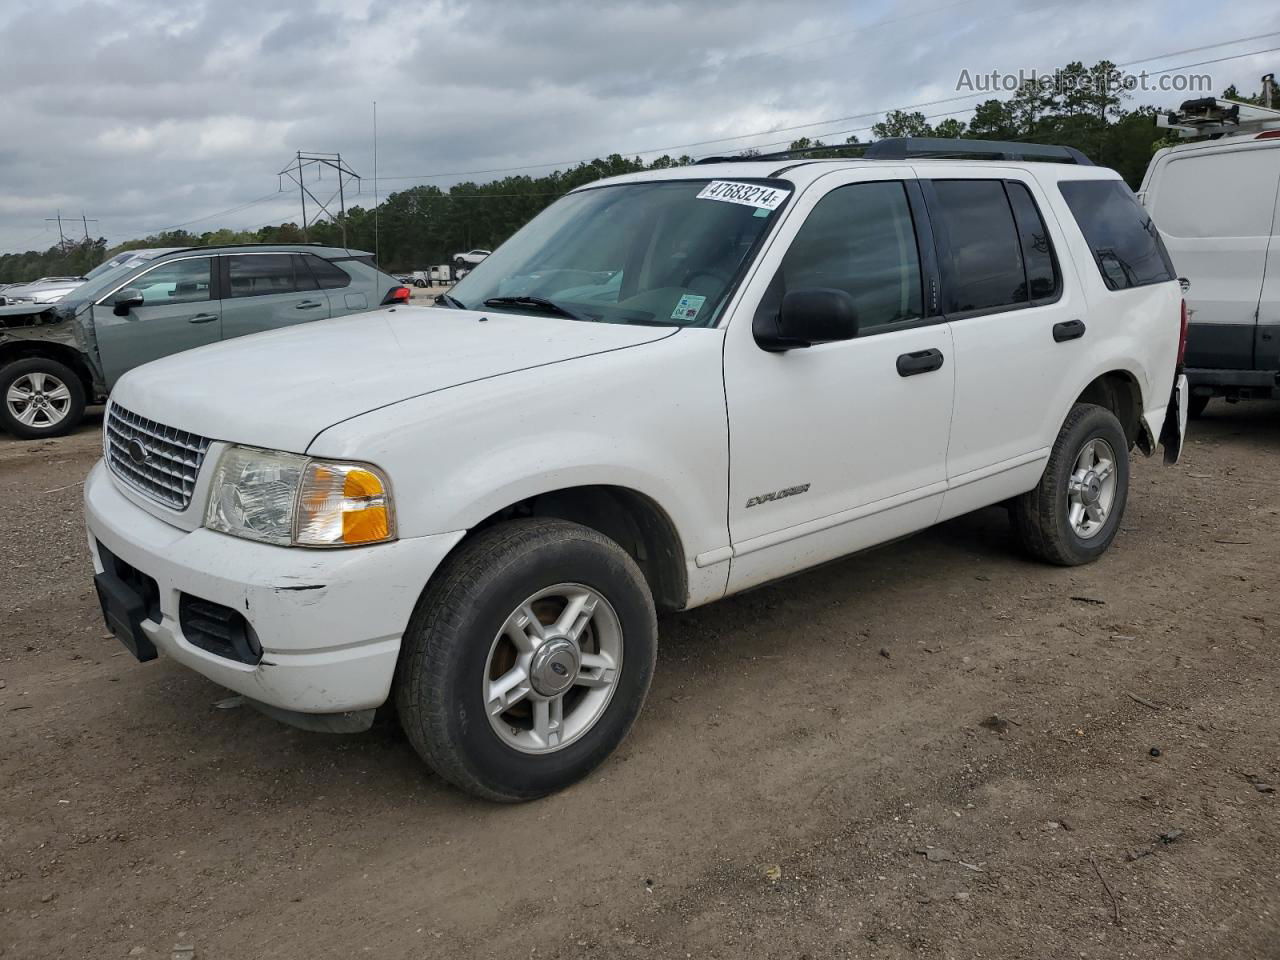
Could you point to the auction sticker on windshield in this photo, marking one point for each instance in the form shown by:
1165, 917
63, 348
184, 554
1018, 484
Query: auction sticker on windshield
747, 194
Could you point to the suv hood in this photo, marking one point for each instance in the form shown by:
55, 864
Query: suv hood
280, 389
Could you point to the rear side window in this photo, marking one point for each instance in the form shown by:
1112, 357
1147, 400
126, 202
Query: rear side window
984, 269
861, 239
1043, 279
261, 274
1124, 241
330, 276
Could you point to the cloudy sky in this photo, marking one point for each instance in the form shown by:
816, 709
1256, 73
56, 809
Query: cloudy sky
146, 114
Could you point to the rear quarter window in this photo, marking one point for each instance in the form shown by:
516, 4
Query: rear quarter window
1121, 235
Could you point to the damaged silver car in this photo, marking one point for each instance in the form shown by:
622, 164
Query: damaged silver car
55, 358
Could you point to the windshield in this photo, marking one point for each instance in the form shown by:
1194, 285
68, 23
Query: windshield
663, 252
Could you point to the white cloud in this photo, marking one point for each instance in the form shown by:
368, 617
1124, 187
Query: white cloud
148, 113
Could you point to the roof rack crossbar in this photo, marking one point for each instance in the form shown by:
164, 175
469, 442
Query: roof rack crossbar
908, 148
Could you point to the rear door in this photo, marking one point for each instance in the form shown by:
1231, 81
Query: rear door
266, 291
179, 311
1017, 330
1216, 213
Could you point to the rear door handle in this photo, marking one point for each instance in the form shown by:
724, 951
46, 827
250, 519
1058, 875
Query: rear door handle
203, 318
1068, 330
922, 361
308, 305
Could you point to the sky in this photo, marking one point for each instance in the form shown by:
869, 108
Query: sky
150, 114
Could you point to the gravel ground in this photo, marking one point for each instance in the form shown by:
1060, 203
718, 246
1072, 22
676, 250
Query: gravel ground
936, 749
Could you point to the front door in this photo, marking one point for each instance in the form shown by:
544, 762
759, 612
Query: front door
838, 446
266, 291
178, 312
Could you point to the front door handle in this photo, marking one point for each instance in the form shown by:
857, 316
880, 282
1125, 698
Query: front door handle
1068, 330
922, 361
308, 305
203, 318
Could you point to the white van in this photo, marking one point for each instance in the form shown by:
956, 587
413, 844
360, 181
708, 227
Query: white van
1214, 203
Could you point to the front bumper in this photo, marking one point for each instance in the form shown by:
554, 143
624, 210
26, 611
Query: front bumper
329, 621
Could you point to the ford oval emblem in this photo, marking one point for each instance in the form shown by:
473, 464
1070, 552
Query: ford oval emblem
137, 452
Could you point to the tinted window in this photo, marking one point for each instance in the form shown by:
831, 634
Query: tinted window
302, 273
1124, 241
328, 275
261, 274
860, 239
984, 269
181, 281
1037, 251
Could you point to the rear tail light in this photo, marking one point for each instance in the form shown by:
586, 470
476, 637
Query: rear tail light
1182, 335
397, 295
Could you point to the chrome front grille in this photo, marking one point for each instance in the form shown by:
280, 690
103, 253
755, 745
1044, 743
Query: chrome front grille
161, 462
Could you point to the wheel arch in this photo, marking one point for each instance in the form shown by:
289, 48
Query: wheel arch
633, 520
1120, 392
65, 354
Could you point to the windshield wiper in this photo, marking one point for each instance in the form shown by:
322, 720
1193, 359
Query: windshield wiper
451, 301
543, 302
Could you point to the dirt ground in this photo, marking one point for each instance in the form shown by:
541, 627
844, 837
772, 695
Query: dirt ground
802, 745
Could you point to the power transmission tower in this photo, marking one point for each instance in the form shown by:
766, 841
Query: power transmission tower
62, 237
297, 171
86, 221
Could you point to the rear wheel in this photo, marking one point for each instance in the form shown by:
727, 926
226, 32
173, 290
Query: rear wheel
1073, 514
40, 398
527, 660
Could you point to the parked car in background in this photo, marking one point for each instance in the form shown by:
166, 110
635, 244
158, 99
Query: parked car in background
57, 357
1213, 202
470, 259
54, 289
44, 290
667, 388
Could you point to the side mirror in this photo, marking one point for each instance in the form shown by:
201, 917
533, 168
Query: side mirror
126, 300
806, 317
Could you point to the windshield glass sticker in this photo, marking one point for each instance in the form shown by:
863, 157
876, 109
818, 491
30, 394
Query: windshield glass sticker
688, 307
748, 194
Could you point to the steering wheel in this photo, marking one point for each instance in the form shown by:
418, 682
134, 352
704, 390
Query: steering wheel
718, 276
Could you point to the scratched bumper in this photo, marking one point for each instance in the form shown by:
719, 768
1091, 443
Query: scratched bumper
330, 621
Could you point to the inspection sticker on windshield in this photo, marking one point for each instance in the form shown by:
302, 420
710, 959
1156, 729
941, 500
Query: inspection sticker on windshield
688, 307
747, 194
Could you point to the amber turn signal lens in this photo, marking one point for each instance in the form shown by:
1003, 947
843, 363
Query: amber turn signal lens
343, 504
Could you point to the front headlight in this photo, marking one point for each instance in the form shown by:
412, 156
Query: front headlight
48, 298
289, 500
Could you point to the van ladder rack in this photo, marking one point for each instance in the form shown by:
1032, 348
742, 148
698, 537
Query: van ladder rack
1216, 117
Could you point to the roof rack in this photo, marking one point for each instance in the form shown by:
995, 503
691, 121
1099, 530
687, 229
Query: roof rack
908, 148
1216, 117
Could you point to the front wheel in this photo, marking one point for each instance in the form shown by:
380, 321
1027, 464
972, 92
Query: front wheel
40, 398
527, 659
1073, 514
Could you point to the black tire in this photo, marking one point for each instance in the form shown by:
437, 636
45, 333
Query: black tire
419, 283
51, 368
1040, 520
1196, 405
439, 679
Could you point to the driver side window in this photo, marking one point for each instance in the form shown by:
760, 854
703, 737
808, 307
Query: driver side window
860, 239
182, 281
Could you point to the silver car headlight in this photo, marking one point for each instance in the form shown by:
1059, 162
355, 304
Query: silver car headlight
290, 500
47, 297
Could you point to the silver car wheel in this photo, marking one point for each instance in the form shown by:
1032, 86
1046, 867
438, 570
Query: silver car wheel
552, 668
1091, 488
38, 399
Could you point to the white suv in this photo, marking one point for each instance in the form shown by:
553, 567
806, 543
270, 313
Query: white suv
667, 388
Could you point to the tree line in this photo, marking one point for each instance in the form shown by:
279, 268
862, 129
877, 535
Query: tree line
1086, 108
